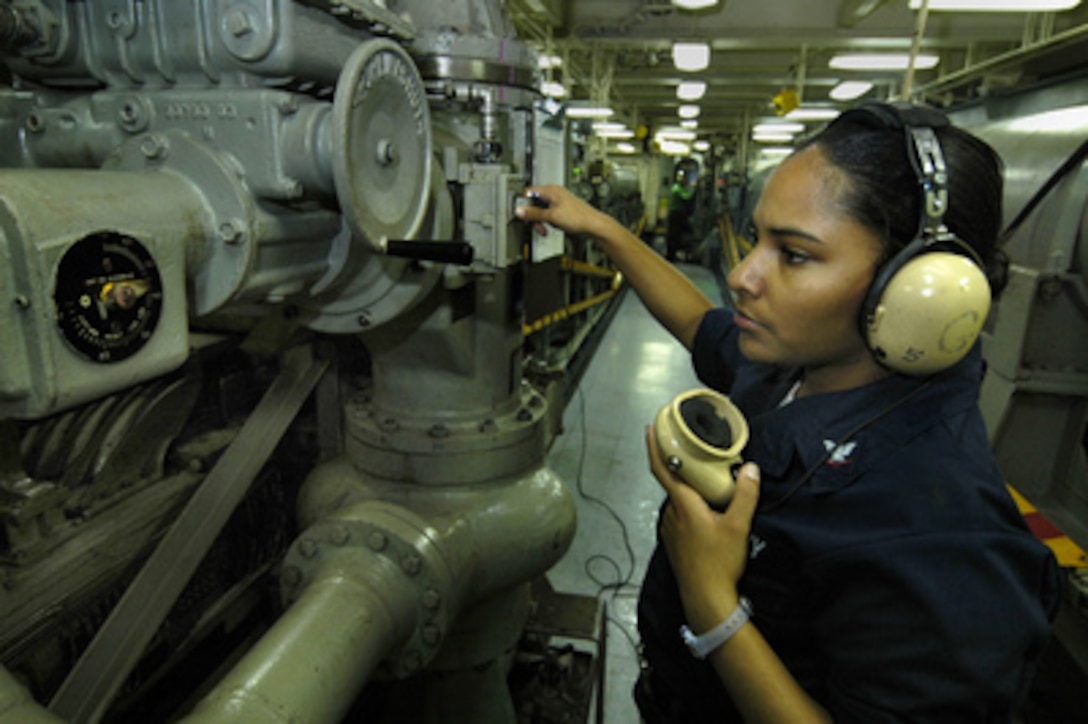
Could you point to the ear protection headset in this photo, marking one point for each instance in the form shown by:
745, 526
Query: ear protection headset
927, 304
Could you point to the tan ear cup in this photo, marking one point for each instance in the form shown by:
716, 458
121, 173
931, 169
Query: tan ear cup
930, 313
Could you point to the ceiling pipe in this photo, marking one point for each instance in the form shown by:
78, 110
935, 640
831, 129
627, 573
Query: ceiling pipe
852, 12
915, 46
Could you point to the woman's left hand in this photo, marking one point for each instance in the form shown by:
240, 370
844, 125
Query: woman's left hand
708, 550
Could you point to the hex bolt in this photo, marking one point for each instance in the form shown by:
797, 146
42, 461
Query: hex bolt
488, 426
411, 564
432, 599
339, 535
439, 431
230, 232
308, 548
363, 320
22, 302
288, 105
524, 415
377, 541
431, 634
237, 23
153, 147
389, 425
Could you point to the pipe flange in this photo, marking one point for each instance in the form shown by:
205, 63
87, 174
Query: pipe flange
322, 548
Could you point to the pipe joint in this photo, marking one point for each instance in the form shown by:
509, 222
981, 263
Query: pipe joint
377, 545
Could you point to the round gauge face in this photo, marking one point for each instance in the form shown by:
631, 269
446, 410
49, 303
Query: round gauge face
108, 295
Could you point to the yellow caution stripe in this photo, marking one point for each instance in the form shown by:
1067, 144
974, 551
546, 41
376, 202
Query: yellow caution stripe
1068, 553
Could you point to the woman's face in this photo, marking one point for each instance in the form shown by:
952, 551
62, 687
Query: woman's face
800, 289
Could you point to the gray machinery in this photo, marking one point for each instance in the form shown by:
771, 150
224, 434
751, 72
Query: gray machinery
261, 322
1035, 395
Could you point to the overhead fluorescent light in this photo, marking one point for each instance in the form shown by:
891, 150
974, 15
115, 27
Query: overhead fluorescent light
691, 90
813, 114
545, 62
691, 56
691, 124
688, 110
621, 133
673, 148
848, 90
694, 4
624, 147
674, 134
882, 61
766, 137
776, 151
998, 6
553, 89
589, 112
701, 145
775, 127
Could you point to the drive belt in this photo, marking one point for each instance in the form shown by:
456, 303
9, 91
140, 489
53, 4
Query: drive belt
122, 639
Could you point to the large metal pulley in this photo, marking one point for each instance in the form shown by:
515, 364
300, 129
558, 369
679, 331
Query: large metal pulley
381, 135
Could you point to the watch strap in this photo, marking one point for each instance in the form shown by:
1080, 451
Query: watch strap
701, 646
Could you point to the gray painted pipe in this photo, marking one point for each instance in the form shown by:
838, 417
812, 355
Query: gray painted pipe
17, 706
312, 663
359, 606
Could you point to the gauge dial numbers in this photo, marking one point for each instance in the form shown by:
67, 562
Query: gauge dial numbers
108, 296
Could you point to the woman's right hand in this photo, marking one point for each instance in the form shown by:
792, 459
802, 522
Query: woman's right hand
563, 209
708, 550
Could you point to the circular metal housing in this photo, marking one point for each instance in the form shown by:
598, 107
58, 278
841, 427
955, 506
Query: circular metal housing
381, 157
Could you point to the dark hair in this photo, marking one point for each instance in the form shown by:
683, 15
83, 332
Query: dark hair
883, 192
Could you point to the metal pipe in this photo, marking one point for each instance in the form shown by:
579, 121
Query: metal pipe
1069, 37
17, 706
366, 597
915, 46
312, 663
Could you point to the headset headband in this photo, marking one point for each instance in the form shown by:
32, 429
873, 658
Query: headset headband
917, 124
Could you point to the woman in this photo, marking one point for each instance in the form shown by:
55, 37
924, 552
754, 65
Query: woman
889, 574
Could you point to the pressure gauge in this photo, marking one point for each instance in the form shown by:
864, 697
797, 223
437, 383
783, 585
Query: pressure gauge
108, 295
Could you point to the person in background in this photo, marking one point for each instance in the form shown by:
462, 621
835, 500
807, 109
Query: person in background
681, 206
872, 566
